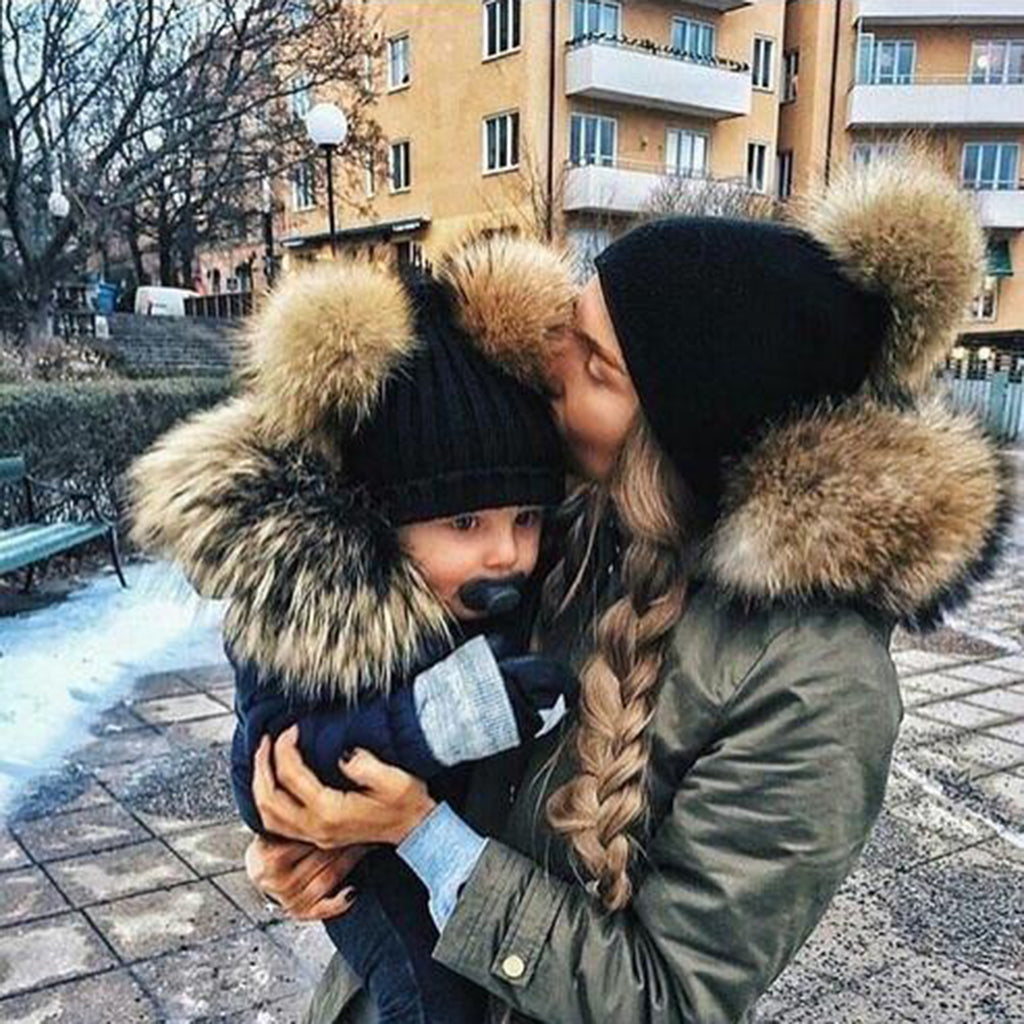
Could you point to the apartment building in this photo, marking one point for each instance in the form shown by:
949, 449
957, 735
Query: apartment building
865, 74
556, 116
568, 117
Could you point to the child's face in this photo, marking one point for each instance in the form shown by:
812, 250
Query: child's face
491, 544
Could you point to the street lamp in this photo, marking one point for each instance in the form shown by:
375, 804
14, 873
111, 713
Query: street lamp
58, 204
327, 127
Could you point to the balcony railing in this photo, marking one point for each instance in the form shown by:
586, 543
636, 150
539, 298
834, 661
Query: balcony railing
1000, 204
940, 12
644, 73
925, 100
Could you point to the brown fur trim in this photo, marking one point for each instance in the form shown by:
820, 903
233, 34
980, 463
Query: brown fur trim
900, 508
903, 227
320, 593
324, 345
512, 294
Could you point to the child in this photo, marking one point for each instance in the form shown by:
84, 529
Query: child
374, 500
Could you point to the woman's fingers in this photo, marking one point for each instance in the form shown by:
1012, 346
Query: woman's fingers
333, 906
334, 867
368, 771
280, 812
291, 771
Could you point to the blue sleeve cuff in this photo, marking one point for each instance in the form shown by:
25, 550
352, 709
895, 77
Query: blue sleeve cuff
442, 850
462, 706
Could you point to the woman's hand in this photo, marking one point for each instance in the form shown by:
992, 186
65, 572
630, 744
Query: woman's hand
301, 878
292, 801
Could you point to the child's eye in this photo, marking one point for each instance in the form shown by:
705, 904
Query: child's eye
528, 517
464, 523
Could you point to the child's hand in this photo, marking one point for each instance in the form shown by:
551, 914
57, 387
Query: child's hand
540, 691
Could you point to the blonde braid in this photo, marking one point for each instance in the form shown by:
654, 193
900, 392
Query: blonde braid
597, 808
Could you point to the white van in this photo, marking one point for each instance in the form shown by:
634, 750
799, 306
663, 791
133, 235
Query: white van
153, 300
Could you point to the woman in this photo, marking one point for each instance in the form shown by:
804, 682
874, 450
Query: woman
770, 494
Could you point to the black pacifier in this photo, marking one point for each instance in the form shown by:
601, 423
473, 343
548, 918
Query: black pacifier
493, 597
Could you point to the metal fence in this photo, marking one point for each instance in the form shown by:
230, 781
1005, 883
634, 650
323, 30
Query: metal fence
992, 391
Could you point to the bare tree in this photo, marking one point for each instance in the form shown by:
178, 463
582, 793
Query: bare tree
682, 195
158, 119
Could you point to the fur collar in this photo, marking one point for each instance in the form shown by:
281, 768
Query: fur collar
901, 508
320, 594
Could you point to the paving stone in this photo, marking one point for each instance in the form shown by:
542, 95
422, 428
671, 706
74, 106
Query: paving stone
230, 976
915, 729
29, 894
177, 709
113, 997
140, 927
843, 1007
108, 876
88, 831
225, 694
160, 684
1011, 663
908, 834
959, 713
116, 719
912, 661
940, 685
307, 941
987, 674
238, 888
1012, 731
284, 1011
210, 851
11, 854
69, 788
121, 748
54, 949
1008, 789
203, 733
208, 676
1008, 700
978, 753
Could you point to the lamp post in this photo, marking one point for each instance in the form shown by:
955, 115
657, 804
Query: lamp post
327, 127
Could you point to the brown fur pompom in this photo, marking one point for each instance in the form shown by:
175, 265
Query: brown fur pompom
512, 295
902, 227
324, 345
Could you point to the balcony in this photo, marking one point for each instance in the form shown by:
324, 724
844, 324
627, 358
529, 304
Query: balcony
940, 12
928, 102
721, 6
641, 73
1003, 208
628, 188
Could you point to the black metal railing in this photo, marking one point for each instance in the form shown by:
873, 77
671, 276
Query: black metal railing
657, 50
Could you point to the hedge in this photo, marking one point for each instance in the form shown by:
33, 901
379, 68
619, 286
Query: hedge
85, 434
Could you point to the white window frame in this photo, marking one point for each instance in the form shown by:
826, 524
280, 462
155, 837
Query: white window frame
987, 75
514, 14
686, 25
599, 118
402, 39
603, 7
303, 186
765, 81
784, 174
985, 304
869, 76
370, 179
997, 183
511, 119
673, 168
406, 166
765, 172
862, 153
300, 101
791, 75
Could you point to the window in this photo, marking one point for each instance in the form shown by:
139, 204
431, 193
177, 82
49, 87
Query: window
592, 140
501, 142
991, 165
501, 26
303, 186
686, 153
791, 64
864, 152
784, 177
398, 62
371, 178
997, 62
696, 38
764, 52
399, 166
301, 99
592, 17
367, 72
885, 61
985, 305
757, 166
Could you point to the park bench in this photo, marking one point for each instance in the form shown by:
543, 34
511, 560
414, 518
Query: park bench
38, 539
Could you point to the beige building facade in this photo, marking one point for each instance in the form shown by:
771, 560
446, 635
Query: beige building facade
566, 118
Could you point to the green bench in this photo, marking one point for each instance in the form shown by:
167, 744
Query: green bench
36, 540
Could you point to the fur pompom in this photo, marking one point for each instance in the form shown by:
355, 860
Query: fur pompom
903, 228
512, 295
324, 345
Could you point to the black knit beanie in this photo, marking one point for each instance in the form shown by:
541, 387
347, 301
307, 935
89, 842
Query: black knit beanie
452, 432
728, 325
